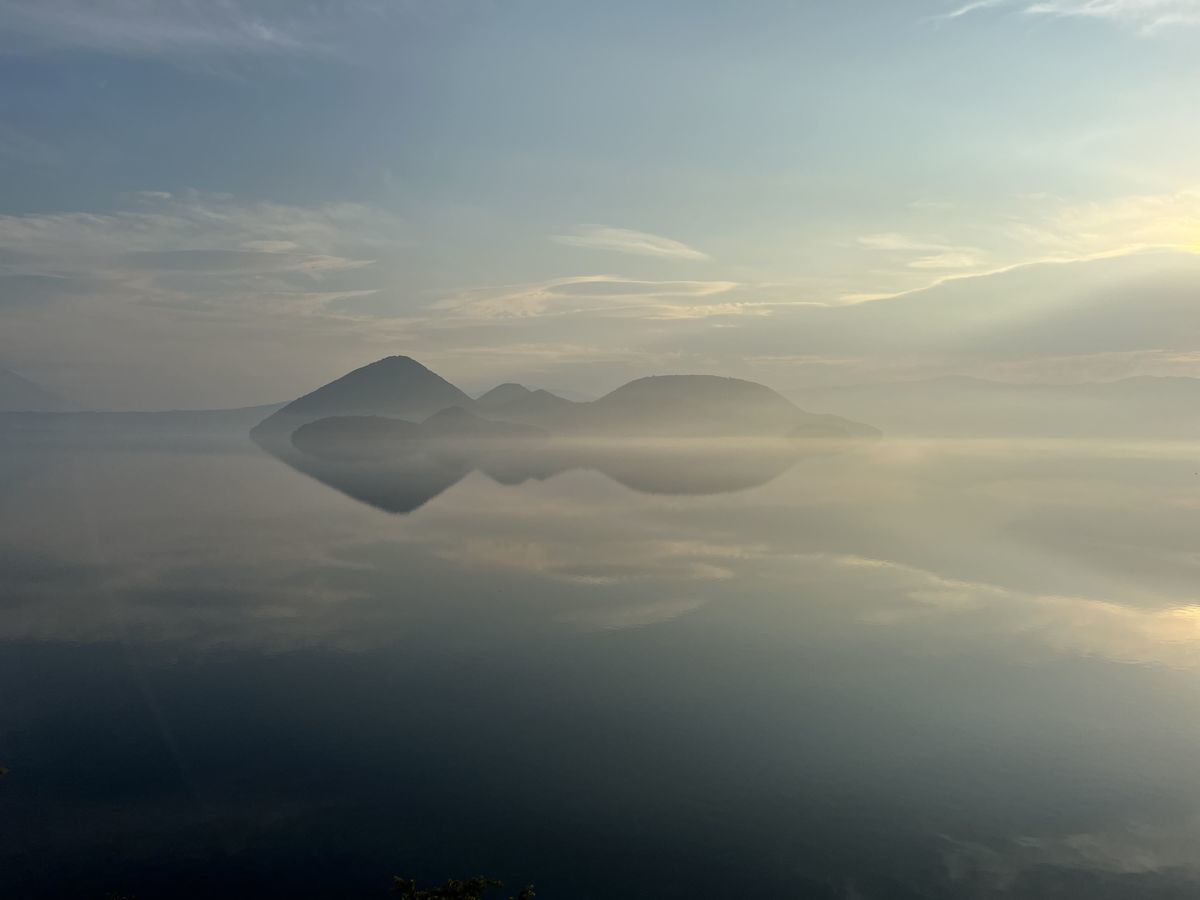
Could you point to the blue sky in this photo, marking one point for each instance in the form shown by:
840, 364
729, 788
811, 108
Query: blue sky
225, 202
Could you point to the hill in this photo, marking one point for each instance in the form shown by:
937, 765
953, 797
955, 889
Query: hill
658, 406
367, 437
396, 387
503, 394
707, 406
457, 423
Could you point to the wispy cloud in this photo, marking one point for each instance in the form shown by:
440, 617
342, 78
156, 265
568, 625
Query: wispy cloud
626, 240
1130, 224
174, 27
197, 232
933, 254
967, 8
600, 294
1145, 15
951, 259
1040, 228
130, 291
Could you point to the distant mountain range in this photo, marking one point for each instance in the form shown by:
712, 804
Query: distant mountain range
18, 394
395, 435
1139, 408
662, 406
121, 428
29, 413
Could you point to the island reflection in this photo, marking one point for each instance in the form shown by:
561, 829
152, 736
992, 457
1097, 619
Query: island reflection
402, 482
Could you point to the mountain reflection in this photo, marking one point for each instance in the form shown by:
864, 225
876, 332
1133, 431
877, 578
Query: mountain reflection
403, 482
974, 652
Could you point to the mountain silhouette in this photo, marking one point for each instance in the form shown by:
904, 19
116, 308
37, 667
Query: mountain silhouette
539, 408
672, 406
355, 437
455, 422
18, 394
503, 394
708, 406
395, 435
659, 406
397, 387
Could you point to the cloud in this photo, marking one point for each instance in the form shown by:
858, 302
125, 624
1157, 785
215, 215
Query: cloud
1169, 221
163, 27
952, 259
619, 617
200, 289
971, 7
1145, 15
1039, 229
935, 254
603, 294
230, 301
893, 241
625, 240
196, 232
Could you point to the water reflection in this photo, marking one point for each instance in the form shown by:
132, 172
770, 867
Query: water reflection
919, 670
401, 482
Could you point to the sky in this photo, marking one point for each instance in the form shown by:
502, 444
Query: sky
228, 202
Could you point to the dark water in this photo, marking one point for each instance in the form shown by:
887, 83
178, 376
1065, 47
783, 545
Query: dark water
913, 670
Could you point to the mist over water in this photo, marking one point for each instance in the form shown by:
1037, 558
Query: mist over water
648, 451
914, 668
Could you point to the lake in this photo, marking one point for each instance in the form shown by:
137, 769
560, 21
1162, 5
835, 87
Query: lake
916, 669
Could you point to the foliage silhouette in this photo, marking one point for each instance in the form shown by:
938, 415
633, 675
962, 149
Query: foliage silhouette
454, 889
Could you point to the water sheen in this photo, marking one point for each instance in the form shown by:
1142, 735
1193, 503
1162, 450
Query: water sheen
911, 669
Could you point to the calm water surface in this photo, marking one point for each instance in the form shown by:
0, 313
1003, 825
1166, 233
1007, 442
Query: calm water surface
913, 670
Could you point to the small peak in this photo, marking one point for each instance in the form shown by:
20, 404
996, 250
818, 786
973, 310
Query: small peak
388, 364
505, 393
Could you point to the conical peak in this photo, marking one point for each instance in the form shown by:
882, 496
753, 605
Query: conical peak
396, 362
505, 393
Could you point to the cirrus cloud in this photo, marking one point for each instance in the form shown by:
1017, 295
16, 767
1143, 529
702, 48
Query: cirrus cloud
1145, 15
626, 240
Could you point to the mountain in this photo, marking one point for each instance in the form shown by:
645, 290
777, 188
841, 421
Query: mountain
1139, 408
19, 394
456, 422
537, 408
398, 464
366, 437
659, 406
355, 437
123, 428
503, 394
707, 406
671, 406
398, 387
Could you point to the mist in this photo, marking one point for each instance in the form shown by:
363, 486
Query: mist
602, 451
